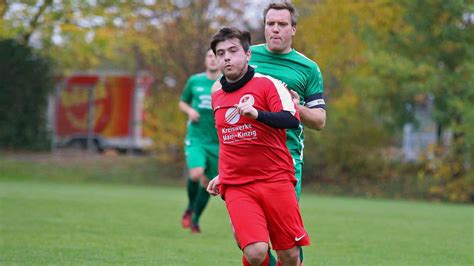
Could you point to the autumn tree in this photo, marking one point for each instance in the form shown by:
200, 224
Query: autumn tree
432, 55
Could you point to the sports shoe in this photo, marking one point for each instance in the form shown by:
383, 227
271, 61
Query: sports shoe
195, 228
186, 219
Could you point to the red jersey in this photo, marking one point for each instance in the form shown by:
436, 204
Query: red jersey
251, 150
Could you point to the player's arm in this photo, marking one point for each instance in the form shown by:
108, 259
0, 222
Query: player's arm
313, 117
313, 112
193, 115
281, 119
186, 99
282, 113
213, 186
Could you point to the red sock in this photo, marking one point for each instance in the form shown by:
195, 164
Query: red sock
264, 263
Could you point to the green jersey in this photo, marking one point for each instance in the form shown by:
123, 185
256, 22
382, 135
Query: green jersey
197, 93
300, 74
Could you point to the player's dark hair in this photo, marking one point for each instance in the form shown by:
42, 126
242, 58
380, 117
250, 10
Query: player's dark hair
230, 33
281, 6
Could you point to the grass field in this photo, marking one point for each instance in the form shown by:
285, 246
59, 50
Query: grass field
87, 223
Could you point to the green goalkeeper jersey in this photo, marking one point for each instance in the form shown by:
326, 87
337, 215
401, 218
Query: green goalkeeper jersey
300, 74
197, 93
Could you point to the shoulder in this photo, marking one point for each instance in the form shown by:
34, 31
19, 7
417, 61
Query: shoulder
303, 59
269, 80
216, 87
197, 76
309, 66
217, 97
258, 48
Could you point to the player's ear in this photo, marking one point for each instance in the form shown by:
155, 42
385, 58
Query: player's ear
249, 55
293, 30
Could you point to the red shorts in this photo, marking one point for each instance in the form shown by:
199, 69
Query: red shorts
263, 211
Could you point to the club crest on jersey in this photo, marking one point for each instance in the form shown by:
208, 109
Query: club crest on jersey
247, 98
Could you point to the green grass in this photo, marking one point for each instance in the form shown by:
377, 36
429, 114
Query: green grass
84, 213
49, 223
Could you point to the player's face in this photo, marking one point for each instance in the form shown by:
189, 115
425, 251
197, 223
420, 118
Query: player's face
211, 61
278, 30
232, 59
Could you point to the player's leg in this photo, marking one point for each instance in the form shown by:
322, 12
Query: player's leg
202, 197
248, 222
210, 153
285, 224
298, 166
199, 205
289, 257
192, 190
195, 163
255, 254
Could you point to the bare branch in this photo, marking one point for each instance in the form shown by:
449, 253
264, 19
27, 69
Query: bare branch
34, 21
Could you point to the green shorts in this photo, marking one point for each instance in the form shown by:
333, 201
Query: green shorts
202, 155
298, 165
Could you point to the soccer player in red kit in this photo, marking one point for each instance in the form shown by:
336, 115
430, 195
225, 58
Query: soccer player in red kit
256, 176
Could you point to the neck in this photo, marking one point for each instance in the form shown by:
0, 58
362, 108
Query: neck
212, 74
230, 86
284, 51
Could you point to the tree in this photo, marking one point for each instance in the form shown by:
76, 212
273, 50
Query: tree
350, 148
26, 80
432, 54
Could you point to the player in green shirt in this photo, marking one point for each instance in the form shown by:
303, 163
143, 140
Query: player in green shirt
302, 76
201, 144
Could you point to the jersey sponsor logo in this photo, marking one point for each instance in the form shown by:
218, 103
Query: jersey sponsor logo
232, 116
205, 102
238, 133
199, 89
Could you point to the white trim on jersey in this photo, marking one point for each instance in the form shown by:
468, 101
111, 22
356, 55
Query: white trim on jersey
285, 96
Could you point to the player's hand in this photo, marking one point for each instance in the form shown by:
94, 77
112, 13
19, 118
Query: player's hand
193, 115
295, 97
213, 186
247, 109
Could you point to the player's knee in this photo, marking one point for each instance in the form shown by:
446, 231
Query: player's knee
196, 173
289, 256
255, 253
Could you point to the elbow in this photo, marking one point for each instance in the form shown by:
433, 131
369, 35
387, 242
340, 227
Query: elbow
320, 125
316, 124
